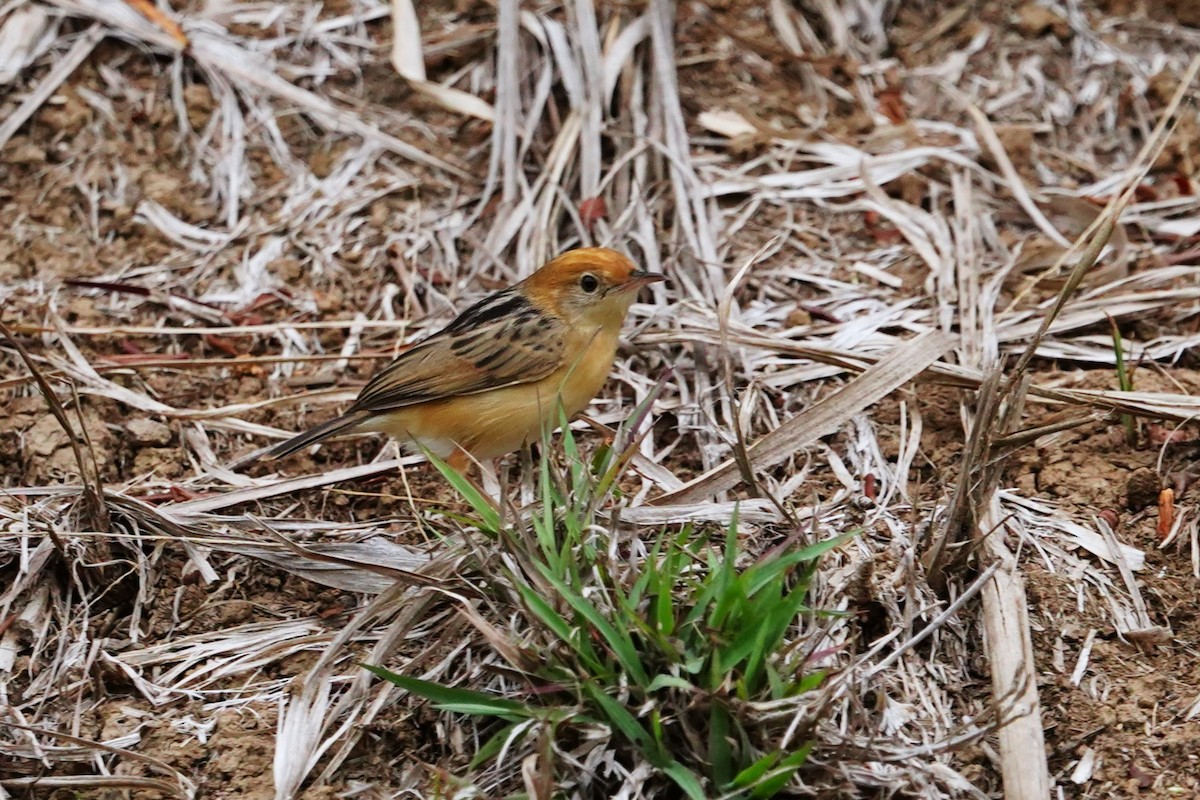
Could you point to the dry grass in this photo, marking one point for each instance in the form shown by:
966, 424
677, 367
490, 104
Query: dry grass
357, 181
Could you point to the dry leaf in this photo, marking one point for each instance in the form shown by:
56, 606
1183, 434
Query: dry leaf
729, 124
153, 13
409, 61
1166, 512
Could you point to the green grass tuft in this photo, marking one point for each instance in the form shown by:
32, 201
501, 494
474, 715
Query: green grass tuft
671, 645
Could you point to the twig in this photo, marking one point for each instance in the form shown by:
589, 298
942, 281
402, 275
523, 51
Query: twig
93, 487
1014, 676
62, 70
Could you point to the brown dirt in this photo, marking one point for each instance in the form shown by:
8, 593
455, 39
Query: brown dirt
1129, 707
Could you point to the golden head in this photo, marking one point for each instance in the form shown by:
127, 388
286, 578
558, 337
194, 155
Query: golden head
593, 285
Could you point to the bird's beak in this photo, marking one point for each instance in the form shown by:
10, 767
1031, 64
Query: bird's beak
639, 278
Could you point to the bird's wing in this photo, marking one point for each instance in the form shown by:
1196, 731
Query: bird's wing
501, 341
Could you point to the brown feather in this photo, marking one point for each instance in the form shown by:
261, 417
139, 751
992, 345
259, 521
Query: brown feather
341, 424
465, 359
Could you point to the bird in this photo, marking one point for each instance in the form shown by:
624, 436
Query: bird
494, 378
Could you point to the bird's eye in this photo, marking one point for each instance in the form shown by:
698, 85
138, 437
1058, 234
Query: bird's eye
589, 283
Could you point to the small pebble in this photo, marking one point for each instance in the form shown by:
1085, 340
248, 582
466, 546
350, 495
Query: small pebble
148, 432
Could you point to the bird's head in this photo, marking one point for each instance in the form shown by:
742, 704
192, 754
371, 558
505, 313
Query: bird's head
593, 285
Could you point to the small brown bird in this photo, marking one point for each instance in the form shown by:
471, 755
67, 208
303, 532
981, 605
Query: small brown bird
492, 380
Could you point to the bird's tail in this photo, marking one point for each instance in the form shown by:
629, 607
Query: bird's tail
314, 435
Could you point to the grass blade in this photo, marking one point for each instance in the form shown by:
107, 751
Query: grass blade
460, 701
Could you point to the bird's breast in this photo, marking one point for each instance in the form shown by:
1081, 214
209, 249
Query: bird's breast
587, 363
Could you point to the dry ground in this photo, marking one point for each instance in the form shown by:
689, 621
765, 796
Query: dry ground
152, 193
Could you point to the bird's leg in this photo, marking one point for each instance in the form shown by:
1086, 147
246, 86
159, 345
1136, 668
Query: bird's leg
490, 479
460, 461
527, 474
